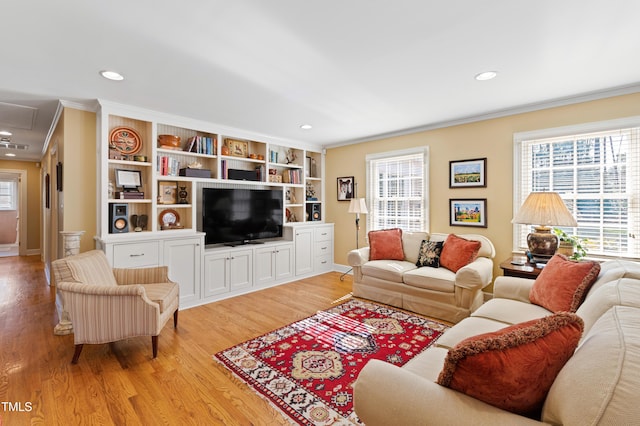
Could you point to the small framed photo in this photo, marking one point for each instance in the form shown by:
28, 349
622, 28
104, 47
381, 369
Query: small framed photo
468, 212
238, 148
345, 188
468, 173
167, 192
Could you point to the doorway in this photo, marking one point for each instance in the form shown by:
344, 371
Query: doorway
12, 206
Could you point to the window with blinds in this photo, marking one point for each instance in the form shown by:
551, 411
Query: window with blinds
397, 190
597, 174
8, 194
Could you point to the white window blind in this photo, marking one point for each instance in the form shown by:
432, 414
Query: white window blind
397, 190
597, 174
8, 194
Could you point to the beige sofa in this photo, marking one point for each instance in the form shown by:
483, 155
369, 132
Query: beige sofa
599, 384
436, 292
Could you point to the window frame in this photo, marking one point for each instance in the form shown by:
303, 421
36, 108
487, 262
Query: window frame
518, 245
12, 194
372, 188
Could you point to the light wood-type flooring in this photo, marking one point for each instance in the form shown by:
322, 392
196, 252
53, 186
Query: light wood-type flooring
120, 383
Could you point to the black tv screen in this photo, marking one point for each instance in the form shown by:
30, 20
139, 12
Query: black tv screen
238, 216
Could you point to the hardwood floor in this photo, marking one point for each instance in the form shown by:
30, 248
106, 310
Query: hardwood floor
120, 383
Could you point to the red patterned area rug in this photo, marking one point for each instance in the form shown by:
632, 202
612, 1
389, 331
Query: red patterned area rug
307, 369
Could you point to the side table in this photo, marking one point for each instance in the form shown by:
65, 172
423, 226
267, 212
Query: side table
518, 266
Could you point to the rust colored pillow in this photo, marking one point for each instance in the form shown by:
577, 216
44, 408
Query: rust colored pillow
386, 244
513, 368
563, 284
458, 252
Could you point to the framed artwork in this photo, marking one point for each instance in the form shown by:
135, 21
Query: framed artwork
468, 212
59, 176
238, 148
47, 191
468, 173
167, 192
345, 188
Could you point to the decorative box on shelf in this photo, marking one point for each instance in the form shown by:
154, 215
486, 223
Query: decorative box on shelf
275, 178
200, 173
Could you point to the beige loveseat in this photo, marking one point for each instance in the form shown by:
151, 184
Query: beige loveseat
600, 383
436, 292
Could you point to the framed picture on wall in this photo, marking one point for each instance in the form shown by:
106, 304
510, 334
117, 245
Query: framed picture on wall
345, 188
468, 173
468, 212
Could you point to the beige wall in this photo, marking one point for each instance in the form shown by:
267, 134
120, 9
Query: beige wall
492, 139
33, 199
73, 143
80, 175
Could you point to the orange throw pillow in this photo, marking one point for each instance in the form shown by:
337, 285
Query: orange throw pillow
386, 244
513, 368
563, 284
458, 252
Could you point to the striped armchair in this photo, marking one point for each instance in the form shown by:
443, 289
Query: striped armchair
106, 305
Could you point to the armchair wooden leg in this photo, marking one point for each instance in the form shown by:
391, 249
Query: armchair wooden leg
76, 354
175, 319
154, 345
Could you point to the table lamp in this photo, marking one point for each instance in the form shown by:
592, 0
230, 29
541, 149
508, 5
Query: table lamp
543, 210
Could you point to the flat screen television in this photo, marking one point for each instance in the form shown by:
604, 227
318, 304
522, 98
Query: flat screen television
241, 215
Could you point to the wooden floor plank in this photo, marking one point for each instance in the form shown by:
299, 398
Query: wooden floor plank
120, 383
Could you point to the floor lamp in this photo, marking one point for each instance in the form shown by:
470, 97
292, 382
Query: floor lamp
357, 206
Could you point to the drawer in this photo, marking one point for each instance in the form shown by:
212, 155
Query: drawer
322, 248
323, 263
136, 255
324, 233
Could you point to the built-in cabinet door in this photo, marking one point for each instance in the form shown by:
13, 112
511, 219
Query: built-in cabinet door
284, 262
216, 268
182, 256
273, 264
304, 250
240, 267
265, 266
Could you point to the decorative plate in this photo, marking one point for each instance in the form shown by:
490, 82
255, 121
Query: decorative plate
168, 218
125, 140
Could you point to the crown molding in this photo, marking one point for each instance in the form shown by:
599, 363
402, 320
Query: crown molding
554, 103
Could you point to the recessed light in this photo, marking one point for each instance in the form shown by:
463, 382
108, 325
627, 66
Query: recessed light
5, 133
112, 75
487, 75
306, 126
10, 154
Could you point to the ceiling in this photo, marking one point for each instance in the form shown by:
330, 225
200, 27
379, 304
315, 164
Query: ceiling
355, 70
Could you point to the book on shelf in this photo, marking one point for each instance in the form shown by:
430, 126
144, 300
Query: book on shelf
167, 166
293, 176
203, 145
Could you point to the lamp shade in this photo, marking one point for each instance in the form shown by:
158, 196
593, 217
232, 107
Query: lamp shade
545, 209
358, 205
